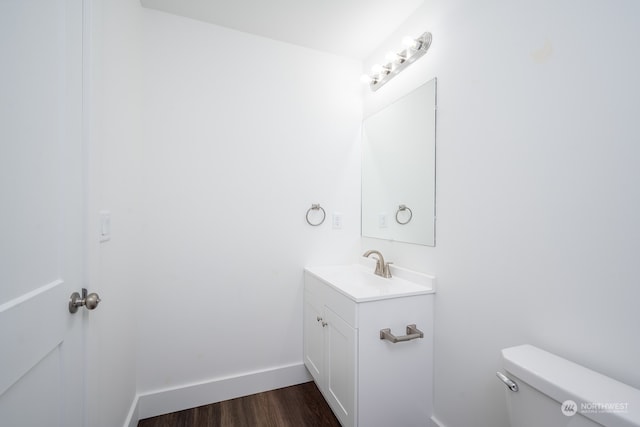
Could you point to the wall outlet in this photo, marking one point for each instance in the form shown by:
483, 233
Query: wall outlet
337, 221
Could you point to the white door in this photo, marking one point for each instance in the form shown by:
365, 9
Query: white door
41, 213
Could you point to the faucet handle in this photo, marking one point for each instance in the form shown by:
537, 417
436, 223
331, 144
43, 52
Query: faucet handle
387, 271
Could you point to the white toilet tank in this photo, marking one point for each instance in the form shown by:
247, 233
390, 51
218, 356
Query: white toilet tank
555, 392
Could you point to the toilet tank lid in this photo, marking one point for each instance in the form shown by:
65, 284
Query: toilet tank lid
598, 397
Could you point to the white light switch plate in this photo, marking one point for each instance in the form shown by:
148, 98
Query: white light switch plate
383, 220
337, 221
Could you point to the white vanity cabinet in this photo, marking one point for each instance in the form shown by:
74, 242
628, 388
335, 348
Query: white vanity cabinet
367, 381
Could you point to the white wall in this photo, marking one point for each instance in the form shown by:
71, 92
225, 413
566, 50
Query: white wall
241, 135
113, 182
537, 195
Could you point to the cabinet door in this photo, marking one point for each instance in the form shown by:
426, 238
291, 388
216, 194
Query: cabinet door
313, 336
340, 362
400, 374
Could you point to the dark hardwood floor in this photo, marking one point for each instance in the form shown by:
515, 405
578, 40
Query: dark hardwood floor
296, 406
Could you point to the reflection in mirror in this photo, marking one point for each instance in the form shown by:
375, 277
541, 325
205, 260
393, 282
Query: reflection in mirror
398, 169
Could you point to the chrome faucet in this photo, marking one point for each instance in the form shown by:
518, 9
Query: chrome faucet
382, 268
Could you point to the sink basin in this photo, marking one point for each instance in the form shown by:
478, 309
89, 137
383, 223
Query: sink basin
358, 282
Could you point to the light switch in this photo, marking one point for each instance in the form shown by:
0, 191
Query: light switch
382, 220
105, 226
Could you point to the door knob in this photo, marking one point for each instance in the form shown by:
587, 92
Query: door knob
90, 301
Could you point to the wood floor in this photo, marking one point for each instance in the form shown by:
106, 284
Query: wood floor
296, 406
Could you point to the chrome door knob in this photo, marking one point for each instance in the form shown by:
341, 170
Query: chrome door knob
90, 301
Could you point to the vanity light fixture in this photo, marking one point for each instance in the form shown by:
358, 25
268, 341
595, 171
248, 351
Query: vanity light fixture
396, 62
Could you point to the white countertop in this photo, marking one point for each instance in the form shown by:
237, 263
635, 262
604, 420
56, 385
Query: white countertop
360, 284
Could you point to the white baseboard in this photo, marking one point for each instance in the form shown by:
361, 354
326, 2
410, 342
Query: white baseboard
132, 417
436, 423
164, 401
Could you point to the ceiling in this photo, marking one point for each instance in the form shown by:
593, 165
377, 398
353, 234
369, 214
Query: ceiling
351, 28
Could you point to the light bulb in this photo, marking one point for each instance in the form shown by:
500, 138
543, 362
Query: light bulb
395, 58
410, 42
391, 57
366, 79
379, 69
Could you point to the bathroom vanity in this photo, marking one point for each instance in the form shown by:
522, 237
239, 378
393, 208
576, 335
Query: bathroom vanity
351, 317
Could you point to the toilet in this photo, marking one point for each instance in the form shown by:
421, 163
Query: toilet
544, 390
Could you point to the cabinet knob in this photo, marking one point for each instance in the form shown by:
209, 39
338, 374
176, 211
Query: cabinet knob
318, 318
324, 324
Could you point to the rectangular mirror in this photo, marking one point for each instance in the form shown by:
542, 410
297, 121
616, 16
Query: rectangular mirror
398, 169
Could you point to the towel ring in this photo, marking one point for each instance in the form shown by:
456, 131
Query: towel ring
316, 207
403, 208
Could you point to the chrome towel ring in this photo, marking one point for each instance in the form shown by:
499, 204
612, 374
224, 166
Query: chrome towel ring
403, 208
316, 207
